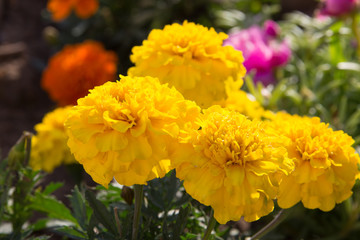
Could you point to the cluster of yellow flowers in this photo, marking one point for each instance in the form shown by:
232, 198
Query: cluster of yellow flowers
48, 145
236, 157
191, 58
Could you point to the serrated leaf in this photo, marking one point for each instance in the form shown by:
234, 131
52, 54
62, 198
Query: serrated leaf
52, 207
90, 229
77, 203
184, 199
181, 221
172, 188
101, 212
155, 199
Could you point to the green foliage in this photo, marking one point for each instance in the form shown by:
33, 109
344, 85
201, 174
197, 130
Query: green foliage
322, 79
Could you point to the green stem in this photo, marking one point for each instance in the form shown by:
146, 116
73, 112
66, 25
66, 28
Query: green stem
138, 189
353, 210
270, 226
356, 32
27, 136
210, 226
117, 220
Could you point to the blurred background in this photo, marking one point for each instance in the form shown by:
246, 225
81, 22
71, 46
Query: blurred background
28, 37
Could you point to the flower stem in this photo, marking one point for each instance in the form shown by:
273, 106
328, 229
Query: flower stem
138, 189
27, 136
210, 226
270, 226
117, 220
356, 32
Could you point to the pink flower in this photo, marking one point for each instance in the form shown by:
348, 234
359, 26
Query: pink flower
338, 7
262, 51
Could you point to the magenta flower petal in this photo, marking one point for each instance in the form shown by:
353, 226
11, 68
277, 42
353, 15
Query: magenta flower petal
271, 28
265, 78
262, 51
338, 7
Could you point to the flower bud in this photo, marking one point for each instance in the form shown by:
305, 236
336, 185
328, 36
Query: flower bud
127, 194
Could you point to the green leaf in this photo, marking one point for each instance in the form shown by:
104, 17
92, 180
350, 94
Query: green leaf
101, 213
40, 238
70, 232
105, 236
336, 50
77, 202
52, 187
255, 91
181, 221
353, 122
19, 153
172, 187
52, 207
90, 229
343, 108
189, 236
39, 225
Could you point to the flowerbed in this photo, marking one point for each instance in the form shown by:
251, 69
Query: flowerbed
215, 129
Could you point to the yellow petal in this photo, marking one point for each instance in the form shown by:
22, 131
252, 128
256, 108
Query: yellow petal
140, 125
130, 178
234, 175
160, 169
111, 140
118, 125
289, 192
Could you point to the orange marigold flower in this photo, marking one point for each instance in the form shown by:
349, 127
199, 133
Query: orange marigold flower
76, 69
231, 164
326, 166
61, 9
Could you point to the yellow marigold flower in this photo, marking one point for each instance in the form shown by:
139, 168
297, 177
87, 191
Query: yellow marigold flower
122, 129
191, 58
61, 9
48, 146
231, 164
326, 165
76, 69
240, 101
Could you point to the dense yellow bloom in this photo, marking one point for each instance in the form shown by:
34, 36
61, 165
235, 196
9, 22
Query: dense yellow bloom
242, 102
48, 146
231, 165
326, 165
122, 129
191, 58
61, 9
